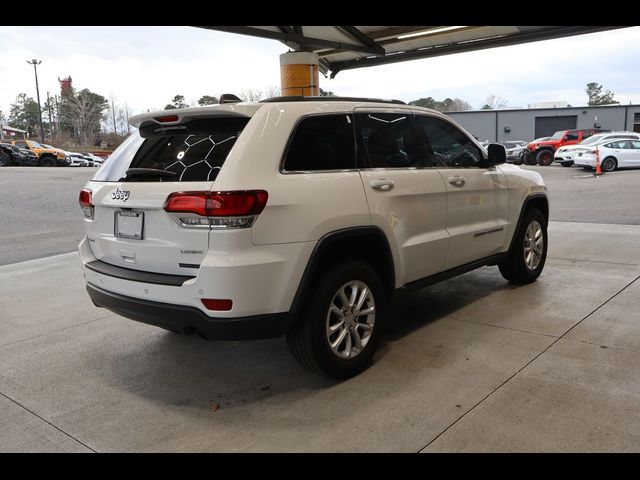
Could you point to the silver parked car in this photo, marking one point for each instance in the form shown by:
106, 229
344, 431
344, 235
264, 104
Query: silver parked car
515, 150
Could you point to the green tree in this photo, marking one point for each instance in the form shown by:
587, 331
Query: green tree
23, 113
446, 105
428, 102
49, 111
177, 102
596, 97
207, 100
458, 105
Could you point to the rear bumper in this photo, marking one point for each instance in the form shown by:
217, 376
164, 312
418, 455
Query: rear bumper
586, 161
189, 319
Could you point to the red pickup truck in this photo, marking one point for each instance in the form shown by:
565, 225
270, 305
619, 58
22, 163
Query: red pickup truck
542, 152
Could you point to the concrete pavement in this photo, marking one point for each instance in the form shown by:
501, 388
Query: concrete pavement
473, 365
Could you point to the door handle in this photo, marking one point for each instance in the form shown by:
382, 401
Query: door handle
457, 181
382, 184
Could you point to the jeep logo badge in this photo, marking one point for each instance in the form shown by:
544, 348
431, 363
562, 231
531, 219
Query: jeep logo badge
118, 194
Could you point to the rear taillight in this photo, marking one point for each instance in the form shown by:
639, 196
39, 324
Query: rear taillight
86, 203
222, 305
237, 209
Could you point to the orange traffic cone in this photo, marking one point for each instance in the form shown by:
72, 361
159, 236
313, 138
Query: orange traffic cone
598, 171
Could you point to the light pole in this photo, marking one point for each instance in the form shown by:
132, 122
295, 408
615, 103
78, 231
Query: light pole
35, 62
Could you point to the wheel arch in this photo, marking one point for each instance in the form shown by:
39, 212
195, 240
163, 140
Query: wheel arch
366, 243
545, 147
614, 159
47, 156
534, 200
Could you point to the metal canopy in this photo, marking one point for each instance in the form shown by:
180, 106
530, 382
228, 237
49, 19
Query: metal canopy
343, 48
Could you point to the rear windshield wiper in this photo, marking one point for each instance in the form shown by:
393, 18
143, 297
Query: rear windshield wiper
149, 172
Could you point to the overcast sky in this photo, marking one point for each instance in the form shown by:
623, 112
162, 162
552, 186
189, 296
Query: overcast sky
147, 66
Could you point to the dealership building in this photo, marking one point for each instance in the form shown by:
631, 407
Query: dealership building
528, 124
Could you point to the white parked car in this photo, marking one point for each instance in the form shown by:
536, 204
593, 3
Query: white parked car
566, 155
613, 155
94, 160
77, 159
301, 216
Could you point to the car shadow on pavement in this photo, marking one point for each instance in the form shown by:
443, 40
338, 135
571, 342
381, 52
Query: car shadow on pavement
186, 371
189, 372
415, 309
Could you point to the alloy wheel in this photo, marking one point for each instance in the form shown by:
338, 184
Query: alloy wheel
533, 245
350, 319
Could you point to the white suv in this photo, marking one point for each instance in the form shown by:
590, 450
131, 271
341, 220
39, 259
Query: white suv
301, 216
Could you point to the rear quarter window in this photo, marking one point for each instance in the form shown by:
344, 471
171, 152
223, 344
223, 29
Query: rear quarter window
322, 142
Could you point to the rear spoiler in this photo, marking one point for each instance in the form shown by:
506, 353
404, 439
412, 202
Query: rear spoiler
181, 115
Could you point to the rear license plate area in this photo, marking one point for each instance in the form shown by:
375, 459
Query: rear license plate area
128, 224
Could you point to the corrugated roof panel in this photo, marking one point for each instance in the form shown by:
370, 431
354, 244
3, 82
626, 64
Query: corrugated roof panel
377, 45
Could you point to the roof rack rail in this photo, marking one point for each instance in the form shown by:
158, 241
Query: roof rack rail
300, 98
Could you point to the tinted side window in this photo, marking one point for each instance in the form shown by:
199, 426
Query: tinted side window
389, 141
322, 142
451, 147
21, 144
574, 136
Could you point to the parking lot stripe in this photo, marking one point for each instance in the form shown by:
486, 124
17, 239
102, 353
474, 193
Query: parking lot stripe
56, 331
530, 362
48, 422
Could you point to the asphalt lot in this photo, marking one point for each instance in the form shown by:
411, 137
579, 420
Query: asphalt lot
41, 216
473, 364
40, 212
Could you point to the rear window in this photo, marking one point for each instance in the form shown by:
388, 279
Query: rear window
194, 152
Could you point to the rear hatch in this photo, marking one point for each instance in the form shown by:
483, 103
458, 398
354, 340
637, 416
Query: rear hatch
169, 154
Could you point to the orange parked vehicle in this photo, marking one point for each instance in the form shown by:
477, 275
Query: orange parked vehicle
47, 157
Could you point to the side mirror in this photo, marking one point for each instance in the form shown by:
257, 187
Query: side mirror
497, 154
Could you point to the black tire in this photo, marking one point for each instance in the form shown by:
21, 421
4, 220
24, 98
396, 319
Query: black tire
5, 159
544, 158
567, 163
529, 159
48, 162
309, 340
609, 164
514, 268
